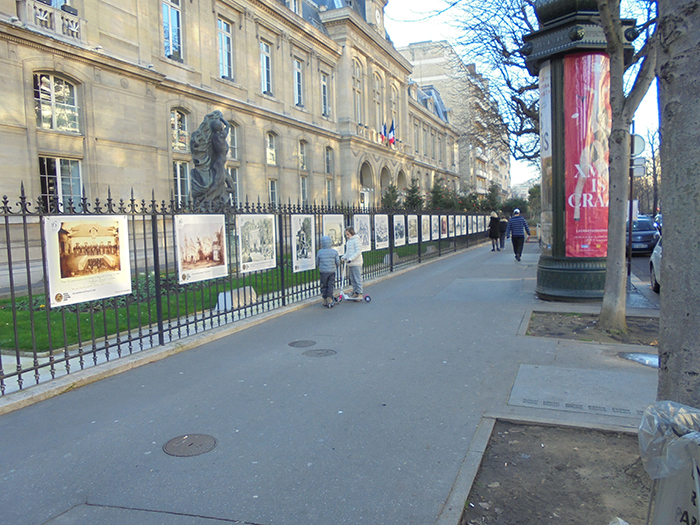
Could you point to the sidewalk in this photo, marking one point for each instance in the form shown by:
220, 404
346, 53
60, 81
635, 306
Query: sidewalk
381, 418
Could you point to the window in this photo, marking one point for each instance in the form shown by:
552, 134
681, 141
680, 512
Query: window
225, 49
394, 104
416, 137
425, 142
295, 5
298, 83
271, 149
265, 68
172, 40
357, 90
272, 188
303, 159
234, 196
303, 190
377, 100
181, 179
325, 96
329, 192
233, 141
56, 104
432, 144
329, 160
61, 182
178, 126
440, 148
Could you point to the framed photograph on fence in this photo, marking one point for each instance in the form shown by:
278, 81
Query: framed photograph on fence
425, 228
443, 226
381, 231
435, 227
464, 225
412, 228
87, 257
303, 243
451, 226
201, 247
362, 229
399, 230
334, 227
257, 246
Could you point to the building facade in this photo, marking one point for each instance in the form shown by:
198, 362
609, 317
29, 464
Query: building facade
100, 94
483, 139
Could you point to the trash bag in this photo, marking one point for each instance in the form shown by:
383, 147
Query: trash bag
669, 444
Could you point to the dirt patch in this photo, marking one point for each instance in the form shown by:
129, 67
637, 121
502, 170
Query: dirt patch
538, 474
582, 327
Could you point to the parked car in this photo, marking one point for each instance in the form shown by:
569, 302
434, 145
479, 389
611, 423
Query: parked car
655, 267
644, 235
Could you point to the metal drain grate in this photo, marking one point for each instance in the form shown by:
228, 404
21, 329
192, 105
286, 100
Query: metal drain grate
304, 343
189, 445
321, 352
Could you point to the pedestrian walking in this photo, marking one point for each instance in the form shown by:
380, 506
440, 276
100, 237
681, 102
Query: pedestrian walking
517, 226
494, 231
327, 262
353, 256
502, 227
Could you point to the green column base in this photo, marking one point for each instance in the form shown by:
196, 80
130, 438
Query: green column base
571, 279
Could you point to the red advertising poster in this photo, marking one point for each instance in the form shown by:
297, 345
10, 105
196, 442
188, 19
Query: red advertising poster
587, 128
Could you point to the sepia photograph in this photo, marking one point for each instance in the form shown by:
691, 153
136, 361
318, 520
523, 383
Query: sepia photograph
381, 231
443, 226
399, 230
425, 228
412, 221
201, 247
256, 242
87, 258
303, 243
362, 229
334, 227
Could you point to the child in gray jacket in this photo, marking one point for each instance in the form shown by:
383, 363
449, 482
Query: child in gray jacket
327, 261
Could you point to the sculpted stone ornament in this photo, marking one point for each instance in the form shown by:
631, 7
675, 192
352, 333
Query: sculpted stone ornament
210, 183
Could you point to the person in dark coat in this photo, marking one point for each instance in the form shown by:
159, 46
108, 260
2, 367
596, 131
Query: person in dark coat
503, 226
494, 231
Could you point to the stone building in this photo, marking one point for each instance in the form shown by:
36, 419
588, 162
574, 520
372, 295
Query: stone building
102, 94
483, 140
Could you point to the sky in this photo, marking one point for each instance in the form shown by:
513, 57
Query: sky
408, 21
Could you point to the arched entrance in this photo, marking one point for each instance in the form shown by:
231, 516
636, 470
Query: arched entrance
366, 186
385, 179
402, 183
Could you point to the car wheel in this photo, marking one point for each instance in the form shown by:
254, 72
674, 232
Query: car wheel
654, 283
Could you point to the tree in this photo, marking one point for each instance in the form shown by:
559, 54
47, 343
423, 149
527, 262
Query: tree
679, 72
436, 196
390, 198
493, 197
413, 201
535, 201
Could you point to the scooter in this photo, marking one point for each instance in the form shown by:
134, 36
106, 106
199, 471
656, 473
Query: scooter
348, 296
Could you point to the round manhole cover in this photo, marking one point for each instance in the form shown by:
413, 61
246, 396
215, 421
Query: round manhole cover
189, 445
321, 352
304, 343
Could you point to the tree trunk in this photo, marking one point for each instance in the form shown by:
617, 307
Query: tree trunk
679, 79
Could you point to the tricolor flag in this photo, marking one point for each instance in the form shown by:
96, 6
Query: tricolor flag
382, 133
392, 133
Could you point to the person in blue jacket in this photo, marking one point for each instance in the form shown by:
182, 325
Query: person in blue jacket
327, 262
517, 226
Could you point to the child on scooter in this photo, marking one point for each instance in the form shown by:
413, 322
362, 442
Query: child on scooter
327, 261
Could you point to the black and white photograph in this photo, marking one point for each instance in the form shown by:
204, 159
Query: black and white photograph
464, 225
334, 227
361, 223
303, 243
399, 230
381, 231
201, 247
87, 258
256, 242
412, 221
425, 228
435, 226
451, 226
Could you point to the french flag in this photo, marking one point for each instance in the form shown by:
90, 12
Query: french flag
392, 133
382, 133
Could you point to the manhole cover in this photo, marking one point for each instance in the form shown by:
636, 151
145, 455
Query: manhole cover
189, 445
651, 360
304, 343
321, 352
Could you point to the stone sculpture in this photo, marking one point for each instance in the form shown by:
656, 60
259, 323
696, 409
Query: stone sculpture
210, 182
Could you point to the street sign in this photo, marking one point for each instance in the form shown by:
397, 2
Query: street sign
638, 166
638, 145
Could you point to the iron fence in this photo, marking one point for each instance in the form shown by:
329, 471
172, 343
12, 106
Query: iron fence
40, 342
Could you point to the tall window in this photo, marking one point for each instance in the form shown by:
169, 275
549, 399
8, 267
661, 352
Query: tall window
432, 145
303, 160
303, 190
56, 104
329, 192
295, 5
377, 100
298, 83
325, 96
272, 189
357, 90
61, 182
233, 141
181, 179
225, 49
416, 137
265, 68
234, 195
425, 142
172, 31
271, 149
330, 161
178, 126
394, 104
440, 148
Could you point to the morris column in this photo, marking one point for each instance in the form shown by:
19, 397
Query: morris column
568, 54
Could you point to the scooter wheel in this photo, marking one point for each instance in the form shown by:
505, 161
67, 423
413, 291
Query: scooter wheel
367, 298
339, 299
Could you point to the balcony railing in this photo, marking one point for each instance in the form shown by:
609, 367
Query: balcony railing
51, 19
